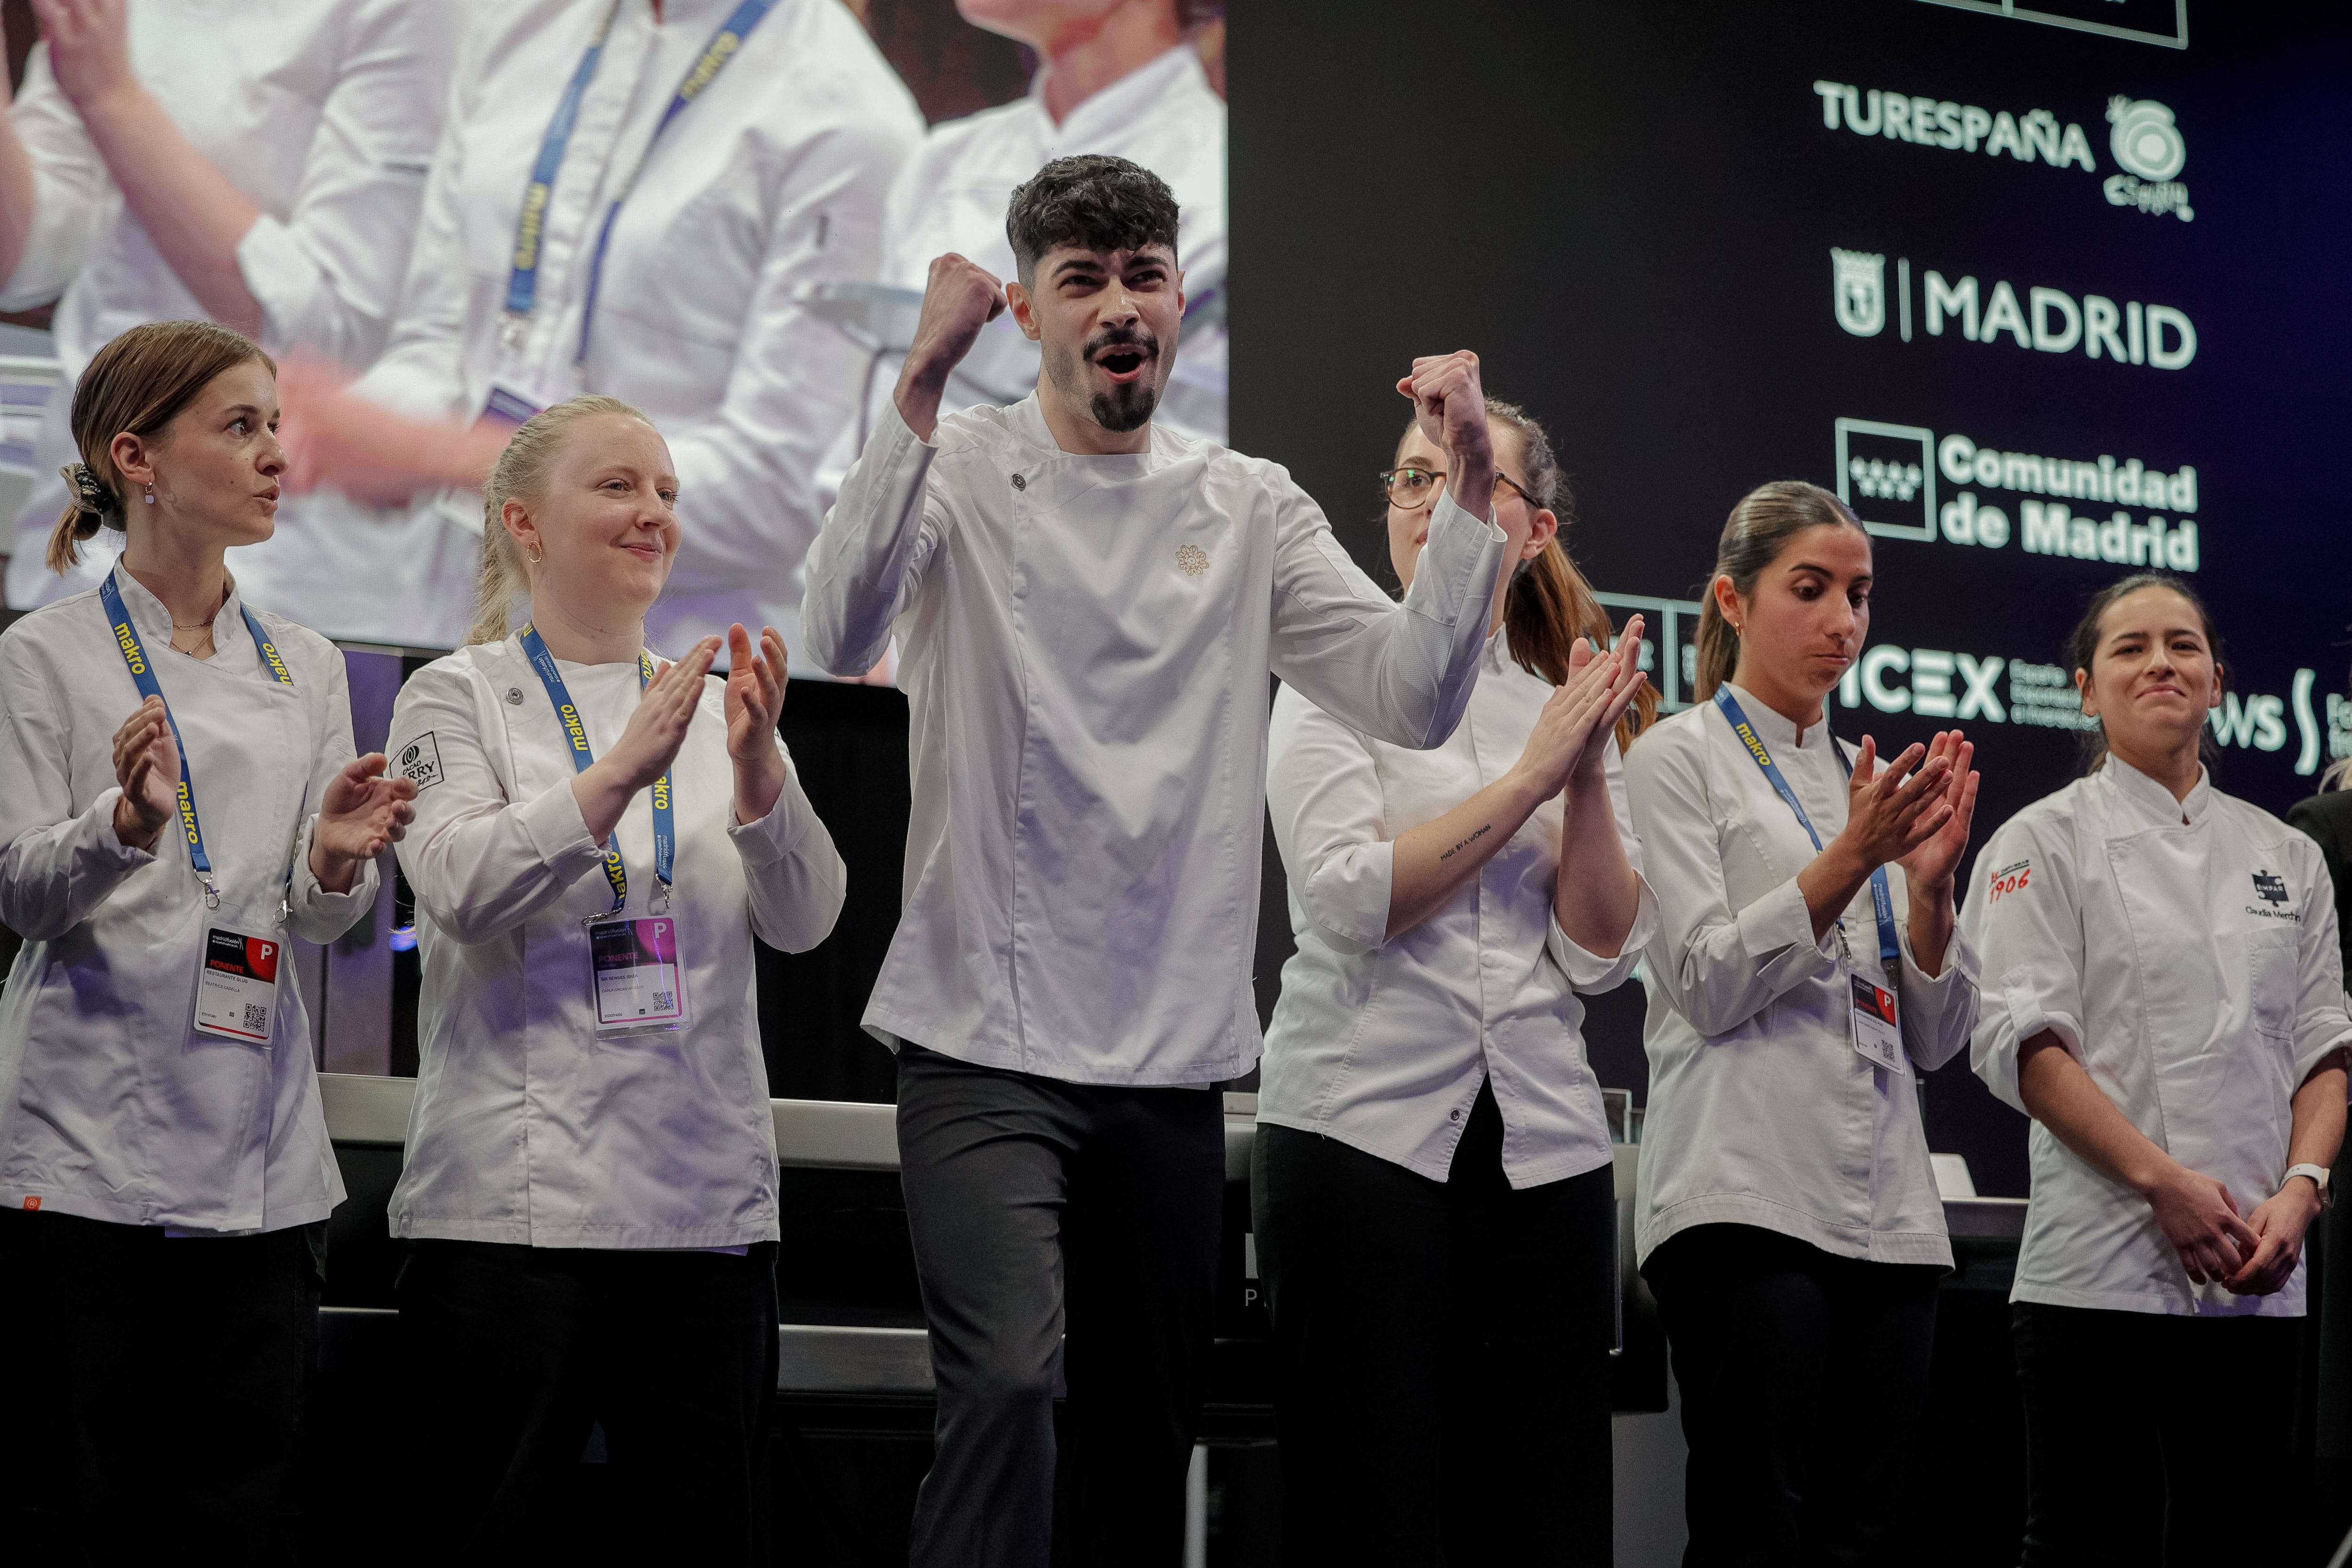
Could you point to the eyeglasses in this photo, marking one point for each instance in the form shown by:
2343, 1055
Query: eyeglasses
1410, 489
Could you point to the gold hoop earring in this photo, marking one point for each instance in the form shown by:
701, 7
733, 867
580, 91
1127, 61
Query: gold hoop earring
535, 556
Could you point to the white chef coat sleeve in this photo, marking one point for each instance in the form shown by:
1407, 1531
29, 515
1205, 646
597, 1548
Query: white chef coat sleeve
796, 877
1330, 824
1939, 1012
869, 558
314, 913
2029, 942
479, 863
57, 865
69, 181
2321, 1023
328, 275
1719, 967
747, 470
421, 370
1588, 971
1400, 673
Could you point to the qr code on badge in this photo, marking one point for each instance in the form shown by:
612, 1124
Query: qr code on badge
256, 1018
664, 1001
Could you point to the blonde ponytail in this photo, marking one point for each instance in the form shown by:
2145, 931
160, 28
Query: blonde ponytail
502, 589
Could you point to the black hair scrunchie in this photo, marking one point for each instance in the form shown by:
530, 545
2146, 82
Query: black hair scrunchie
90, 495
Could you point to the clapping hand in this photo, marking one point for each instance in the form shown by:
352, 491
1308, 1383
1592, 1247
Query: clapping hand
1892, 810
147, 766
1571, 735
89, 47
1936, 860
363, 814
755, 700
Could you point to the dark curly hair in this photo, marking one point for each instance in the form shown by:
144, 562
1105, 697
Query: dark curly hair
1093, 201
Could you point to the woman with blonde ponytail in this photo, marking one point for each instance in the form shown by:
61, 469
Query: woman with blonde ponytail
590, 1194
181, 800
1788, 1220
1431, 1146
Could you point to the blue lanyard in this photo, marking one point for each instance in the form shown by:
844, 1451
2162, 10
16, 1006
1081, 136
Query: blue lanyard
1882, 901
665, 817
522, 283
134, 655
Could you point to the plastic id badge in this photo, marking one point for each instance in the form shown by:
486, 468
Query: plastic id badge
236, 988
638, 983
1877, 1024
510, 407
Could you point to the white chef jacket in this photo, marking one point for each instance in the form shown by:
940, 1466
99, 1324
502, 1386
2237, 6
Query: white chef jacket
1383, 1043
323, 113
1085, 646
527, 1127
2185, 952
772, 179
1761, 1111
111, 1106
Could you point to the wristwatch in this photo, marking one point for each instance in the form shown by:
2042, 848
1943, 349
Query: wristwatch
2318, 1174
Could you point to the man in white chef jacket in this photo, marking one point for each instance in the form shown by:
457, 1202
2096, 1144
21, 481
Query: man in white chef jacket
1087, 607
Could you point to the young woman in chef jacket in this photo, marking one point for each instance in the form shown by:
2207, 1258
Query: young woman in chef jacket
2164, 997
590, 1191
177, 797
1432, 1150
1806, 970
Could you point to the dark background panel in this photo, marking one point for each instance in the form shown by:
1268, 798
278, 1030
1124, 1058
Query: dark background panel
1628, 211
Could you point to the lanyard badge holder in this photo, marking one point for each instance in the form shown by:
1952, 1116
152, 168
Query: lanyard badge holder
636, 976
236, 973
1874, 1011
504, 403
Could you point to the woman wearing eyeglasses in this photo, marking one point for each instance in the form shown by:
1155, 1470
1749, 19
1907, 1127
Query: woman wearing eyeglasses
1431, 1184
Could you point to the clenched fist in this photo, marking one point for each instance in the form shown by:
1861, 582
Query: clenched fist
957, 301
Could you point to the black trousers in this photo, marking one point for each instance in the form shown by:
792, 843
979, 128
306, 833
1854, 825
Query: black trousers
517, 1352
2153, 1439
1441, 1354
1038, 1205
156, 1389
1803, 1376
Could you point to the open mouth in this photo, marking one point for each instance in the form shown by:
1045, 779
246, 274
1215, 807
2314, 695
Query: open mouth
1122, 362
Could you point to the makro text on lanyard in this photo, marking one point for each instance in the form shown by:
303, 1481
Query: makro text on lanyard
575, 733
522, 283
1880, 901
134, 655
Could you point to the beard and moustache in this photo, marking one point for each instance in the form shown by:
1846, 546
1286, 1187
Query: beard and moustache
1122, 406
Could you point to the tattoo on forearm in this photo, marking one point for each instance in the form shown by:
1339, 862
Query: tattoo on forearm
1475, 834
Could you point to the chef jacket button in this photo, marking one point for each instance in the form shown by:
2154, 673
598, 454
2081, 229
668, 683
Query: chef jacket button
1455, 1114
1019, 483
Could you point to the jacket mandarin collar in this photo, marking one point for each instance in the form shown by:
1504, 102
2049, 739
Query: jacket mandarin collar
1025, 420
2155, 798
1776, 733
1123, 102
232, 648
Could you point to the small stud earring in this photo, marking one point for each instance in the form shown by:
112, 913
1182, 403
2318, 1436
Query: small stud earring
151, 491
